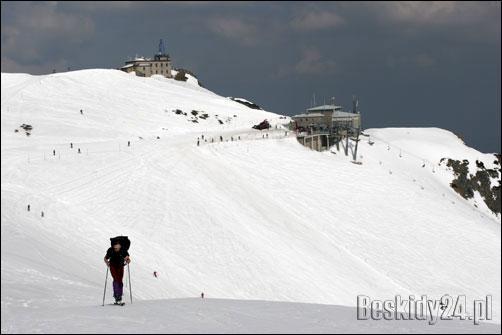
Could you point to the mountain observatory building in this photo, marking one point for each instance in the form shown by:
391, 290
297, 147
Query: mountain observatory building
146, 67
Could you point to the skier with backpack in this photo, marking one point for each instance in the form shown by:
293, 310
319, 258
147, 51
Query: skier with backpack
116, 257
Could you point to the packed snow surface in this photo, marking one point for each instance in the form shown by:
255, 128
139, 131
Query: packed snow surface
212, 316
250, 217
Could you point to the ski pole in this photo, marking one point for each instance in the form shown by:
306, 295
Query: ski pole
129, 275
106, 280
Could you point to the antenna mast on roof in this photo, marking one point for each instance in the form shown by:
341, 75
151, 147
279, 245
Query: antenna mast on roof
162, 49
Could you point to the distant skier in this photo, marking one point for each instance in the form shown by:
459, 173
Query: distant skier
128, 143
202, 136
42, 214
221, 138
202, 295
54, 152
155, 274
78, 150
81, 112
71, 145
115, 259
239, 137
198, 142
28, 207
212, 140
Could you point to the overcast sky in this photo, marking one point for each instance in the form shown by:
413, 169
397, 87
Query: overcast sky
411, 64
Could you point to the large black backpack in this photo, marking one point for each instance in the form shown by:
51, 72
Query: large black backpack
122, 240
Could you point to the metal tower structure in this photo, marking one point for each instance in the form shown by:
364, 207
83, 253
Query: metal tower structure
162, 49
355, 104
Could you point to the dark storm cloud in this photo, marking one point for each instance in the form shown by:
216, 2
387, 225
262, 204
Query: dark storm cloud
411, 63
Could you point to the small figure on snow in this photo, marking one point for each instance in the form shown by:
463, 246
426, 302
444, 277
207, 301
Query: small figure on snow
54, 152
78, 150
42, 214
221, 138
155, 274
128, 143
71, 145
28, 207
202, 295
115, 259
81, 112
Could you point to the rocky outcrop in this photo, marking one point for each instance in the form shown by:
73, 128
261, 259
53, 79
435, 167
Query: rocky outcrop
466, 183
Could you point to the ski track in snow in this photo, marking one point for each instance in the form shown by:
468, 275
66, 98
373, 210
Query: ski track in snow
254, 218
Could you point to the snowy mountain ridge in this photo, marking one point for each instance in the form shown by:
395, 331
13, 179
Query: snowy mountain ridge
239, 216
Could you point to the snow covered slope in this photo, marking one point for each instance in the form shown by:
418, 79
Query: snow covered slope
256, 218
115, 105
429, 148
217, 316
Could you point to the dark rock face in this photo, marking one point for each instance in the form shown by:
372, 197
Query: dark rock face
262, 125
466, 183
181, 75
27, 128
246, 103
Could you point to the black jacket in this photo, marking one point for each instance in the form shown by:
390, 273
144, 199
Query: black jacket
116, 258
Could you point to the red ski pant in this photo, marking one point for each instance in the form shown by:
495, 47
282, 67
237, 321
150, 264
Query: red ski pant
117, 275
